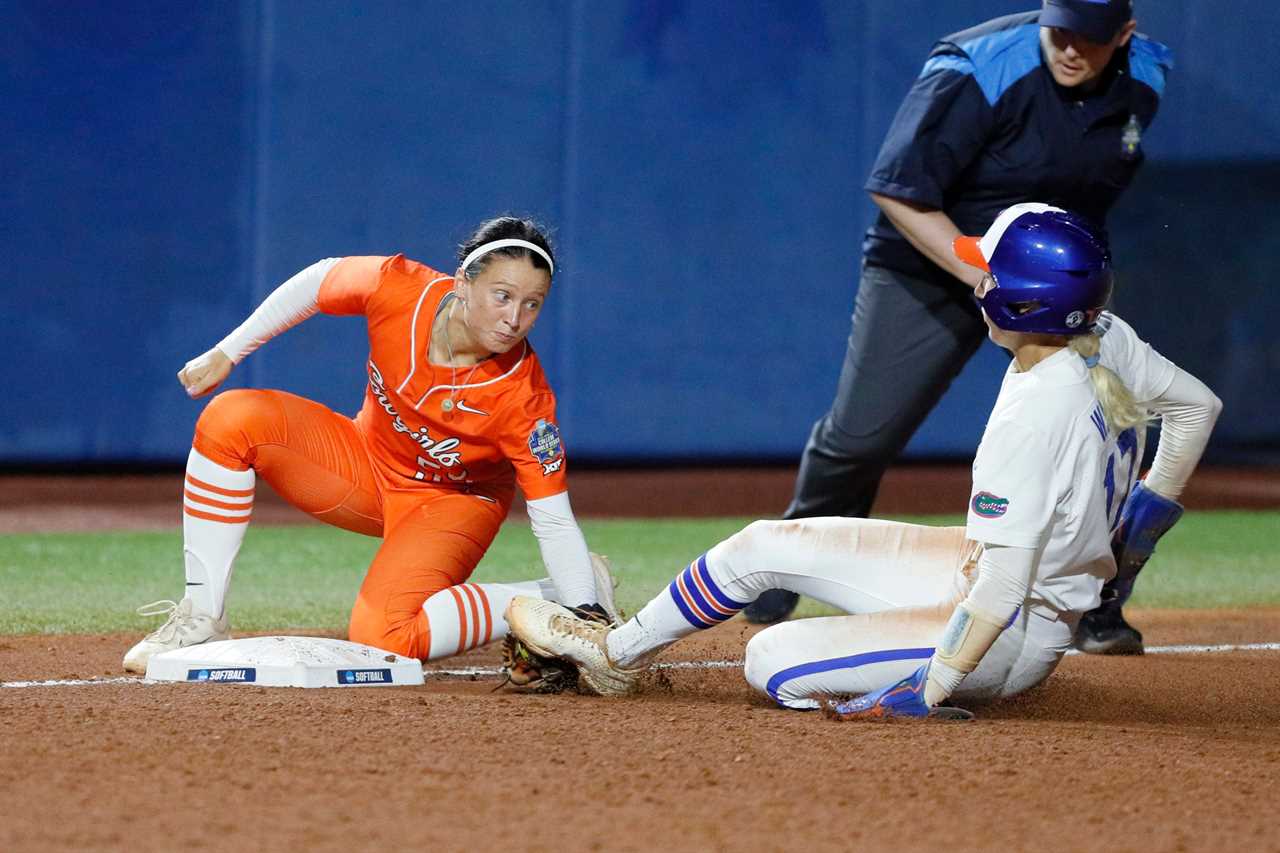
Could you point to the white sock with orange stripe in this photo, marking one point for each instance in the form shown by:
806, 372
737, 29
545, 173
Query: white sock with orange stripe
468, 615
216, 506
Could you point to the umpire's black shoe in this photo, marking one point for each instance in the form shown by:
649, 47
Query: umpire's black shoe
773, 605
1103, 631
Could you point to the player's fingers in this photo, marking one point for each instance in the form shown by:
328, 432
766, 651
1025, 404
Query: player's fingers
205, 373
200, 377
189, 376
206, 385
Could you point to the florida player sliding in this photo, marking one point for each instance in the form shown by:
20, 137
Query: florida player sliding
456, 414
981, 611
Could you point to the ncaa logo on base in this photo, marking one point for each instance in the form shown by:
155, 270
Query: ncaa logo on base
230, 674
364, 676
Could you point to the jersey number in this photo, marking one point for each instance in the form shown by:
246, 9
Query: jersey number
1126, 450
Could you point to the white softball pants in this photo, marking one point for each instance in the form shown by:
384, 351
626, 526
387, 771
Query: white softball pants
900, 583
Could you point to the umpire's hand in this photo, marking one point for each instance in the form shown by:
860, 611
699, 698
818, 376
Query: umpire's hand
205, 373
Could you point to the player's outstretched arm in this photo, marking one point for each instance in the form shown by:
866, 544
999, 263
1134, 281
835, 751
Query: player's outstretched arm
990, 607
287, 306
1004, 579
564, 552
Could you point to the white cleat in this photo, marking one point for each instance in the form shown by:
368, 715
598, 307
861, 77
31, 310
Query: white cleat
182, 628
606, 582
553, 631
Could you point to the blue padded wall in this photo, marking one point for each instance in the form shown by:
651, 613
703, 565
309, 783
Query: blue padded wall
702, 161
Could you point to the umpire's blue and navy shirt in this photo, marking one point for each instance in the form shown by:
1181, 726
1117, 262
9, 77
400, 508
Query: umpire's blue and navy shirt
985, 126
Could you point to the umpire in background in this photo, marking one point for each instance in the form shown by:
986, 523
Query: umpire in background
1048, 105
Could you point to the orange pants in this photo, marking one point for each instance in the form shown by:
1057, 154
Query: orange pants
316, 459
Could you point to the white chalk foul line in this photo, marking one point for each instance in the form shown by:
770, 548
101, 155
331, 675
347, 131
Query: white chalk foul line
78, 682
1195, 650
473, 671
487, 671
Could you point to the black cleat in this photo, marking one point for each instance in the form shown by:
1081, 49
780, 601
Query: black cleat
1104, 631
773, 605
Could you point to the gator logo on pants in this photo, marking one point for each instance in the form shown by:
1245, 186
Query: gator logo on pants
987, 505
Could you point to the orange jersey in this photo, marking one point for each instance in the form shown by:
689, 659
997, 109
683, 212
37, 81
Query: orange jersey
500, 424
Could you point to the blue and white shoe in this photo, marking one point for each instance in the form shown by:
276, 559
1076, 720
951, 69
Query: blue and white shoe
904, 698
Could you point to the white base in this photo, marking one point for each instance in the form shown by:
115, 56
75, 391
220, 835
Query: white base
285, 662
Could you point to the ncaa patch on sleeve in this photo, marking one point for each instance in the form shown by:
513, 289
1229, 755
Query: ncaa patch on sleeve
544, 444
987, 505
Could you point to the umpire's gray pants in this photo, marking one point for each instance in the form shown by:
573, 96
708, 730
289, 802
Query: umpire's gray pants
911, 336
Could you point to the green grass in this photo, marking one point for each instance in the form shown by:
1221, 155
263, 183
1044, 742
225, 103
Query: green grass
306, 577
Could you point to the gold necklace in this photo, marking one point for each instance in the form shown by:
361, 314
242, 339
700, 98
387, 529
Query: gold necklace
447, 405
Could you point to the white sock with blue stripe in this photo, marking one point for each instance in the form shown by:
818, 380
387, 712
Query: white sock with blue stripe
695, 600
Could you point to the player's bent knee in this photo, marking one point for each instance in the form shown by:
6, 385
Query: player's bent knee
233, 408
754, 668
236, 421
762, 661
370, 627
748, 555
380, 636
773, 671
748, 541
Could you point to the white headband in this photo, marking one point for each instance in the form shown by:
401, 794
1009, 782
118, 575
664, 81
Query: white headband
502, 244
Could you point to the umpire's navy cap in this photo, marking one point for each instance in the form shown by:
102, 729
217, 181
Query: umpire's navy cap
1096, 20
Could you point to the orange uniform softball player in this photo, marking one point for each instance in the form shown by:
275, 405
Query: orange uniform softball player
456, 415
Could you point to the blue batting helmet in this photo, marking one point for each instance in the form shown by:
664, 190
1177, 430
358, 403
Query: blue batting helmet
1051, 269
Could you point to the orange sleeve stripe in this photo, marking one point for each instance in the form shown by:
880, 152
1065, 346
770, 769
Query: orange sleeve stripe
347, 287
201, 499
208, 516
462, 619
218, 490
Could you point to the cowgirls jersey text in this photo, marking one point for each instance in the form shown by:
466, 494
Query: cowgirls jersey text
501, 429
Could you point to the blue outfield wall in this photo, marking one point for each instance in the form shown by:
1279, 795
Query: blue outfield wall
167, 165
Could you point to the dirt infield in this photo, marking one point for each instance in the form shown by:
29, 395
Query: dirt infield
1166, 752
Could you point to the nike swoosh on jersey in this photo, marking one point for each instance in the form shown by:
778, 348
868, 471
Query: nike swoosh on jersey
464, 407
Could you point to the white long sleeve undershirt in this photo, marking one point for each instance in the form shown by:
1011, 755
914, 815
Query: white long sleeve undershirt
1004, 579
287, 306
564, 549
1188, 411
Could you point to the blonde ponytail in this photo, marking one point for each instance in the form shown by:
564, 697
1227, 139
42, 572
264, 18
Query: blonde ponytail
1118, 405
